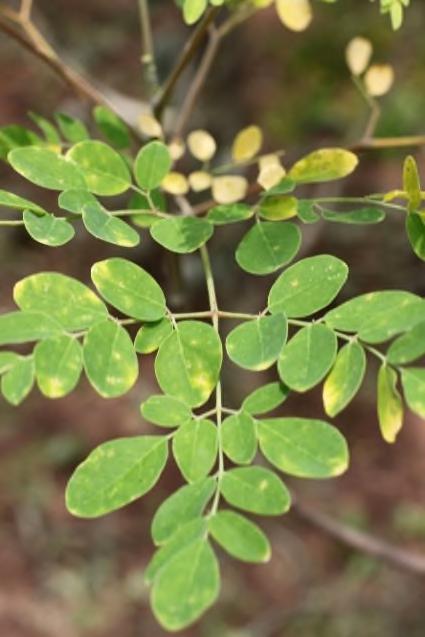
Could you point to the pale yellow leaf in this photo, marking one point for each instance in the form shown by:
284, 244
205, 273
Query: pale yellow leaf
379, 79
176, 149
149, 125
271, 175
229, 189
200, 180
295, 14
175, 184
357, 54
247, 143
201, 144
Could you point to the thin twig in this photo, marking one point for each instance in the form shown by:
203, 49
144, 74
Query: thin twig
361, 541
148, 52
189, 50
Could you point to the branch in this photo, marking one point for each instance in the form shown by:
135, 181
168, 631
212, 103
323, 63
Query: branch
148, 52
377, 143
216, 34
30, 38
361, 541
191, 47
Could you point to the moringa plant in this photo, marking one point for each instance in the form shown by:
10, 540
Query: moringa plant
170, 185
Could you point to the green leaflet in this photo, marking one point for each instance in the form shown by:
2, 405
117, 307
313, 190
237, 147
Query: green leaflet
307, 286
412, 184
184, 505
389, 403
408, 347
186, 586
378, 316
265, 398
306, 211
229, 213
165, 411
150, 336
193, 9
308, 357
195, 448
239, 537
266, 247
415, 228
102, 225
278, 208
105, 171
58, 365
115, 474
239, 438
7, 360
15, 136
326, 164
17, 382
114, 129
362, 216
345, 378
303, 447
256, 344
70, 303
49, 131
255, 489
72, 128
10, 200
48, 229
413, 381
179, 541
46, 169
188, 362
182, 234
152, 164
74, 200
110, 361
25, 327
129, 288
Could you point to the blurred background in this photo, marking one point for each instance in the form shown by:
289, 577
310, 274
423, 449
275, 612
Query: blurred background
63, 577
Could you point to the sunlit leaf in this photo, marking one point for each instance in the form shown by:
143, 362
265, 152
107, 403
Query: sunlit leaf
345, 379
303, 448
188, 362
266, 247
307, 286
357, 54
115, 474
17, 382
165, 411
104, 169
58, 365
295, 14
201, 145
46, 169
110, 361
239, 440
195, 448
247, 143
326, 164
379, 79
229, 188
182, 234
240, 537
150, 336
256, 344
175, 183
255, 489
129, 288
390, 404
48, 229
